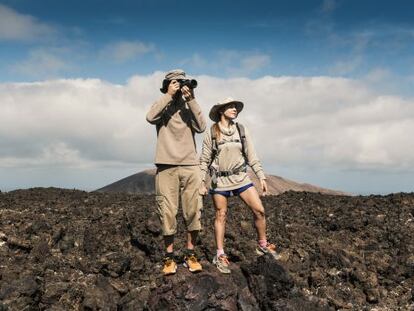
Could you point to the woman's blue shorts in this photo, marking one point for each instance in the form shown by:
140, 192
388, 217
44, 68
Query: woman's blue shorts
229, 193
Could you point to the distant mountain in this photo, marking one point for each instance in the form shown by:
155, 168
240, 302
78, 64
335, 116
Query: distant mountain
143, 182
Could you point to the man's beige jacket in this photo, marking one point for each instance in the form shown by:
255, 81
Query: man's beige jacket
176, 121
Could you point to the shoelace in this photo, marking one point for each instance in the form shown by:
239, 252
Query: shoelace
192, 258
168, 261
271, 247
224, 259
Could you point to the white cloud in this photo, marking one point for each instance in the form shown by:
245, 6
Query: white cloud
124, 51
17, 26
378, 75
344, 67
43, 63
197, 61
230, 62
356, 46
328, 6
295, 121
254, 62
75, 122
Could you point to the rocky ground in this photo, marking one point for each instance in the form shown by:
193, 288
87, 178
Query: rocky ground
73, 250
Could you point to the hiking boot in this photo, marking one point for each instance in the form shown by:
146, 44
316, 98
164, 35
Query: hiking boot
191, 262
268, 249
222, 264
170, 267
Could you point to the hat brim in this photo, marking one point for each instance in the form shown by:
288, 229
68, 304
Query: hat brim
178, 77
214, 114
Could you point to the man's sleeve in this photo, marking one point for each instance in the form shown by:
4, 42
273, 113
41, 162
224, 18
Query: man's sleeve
154, 115
198, 122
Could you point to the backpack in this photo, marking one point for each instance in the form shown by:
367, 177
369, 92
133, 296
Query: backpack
242, 134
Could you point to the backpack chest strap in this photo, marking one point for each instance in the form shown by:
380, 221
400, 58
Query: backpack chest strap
229, 141
232, 172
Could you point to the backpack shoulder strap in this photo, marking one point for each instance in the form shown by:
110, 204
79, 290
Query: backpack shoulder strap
242, 135
214, 146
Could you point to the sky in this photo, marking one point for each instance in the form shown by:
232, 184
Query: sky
328, 86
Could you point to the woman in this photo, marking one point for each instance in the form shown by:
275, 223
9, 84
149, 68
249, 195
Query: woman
227, 149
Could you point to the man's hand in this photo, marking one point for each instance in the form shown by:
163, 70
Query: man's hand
203, 189
188, 93
173, 87
264, 187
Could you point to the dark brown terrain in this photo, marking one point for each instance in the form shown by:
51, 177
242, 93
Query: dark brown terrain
73, 250
143, 182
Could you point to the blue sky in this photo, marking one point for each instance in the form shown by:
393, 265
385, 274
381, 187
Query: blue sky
302, 65
346, 38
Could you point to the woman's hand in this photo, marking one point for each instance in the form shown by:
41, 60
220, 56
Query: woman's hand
264, 186
203, 189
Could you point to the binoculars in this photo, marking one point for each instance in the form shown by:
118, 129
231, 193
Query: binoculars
190, 83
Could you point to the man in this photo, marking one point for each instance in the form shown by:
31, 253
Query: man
177, 117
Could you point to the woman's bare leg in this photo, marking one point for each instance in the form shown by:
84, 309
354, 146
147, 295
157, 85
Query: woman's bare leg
252, 200
220, 203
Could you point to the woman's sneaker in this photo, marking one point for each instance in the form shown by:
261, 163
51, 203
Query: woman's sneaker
222, 264
170, 267
268, 249
191, 262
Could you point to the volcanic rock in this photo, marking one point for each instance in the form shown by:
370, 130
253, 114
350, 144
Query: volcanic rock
73, 250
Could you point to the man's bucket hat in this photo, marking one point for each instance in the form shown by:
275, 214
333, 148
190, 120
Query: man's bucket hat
176, 74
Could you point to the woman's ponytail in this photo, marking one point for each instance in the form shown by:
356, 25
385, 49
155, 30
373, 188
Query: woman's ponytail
216, 130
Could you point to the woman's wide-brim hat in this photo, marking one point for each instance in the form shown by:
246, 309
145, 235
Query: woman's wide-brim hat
215, 110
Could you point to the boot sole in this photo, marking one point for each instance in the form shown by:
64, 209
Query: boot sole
192, 270
223, 271
172, 272
276, 256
